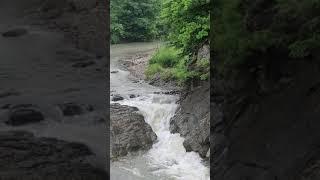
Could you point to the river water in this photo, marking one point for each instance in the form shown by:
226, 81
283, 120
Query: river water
167, 159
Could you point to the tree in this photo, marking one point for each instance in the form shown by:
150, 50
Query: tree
133, 20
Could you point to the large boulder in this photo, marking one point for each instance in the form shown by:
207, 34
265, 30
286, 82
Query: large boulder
24, 114
129, 132
117, 97
15, 32
24, 156
73, 109
192, 120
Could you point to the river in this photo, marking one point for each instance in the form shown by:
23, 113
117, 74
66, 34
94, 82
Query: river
167, 159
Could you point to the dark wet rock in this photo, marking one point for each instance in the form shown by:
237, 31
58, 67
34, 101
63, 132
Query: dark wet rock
15, 32
117, 98
90, 108
129, 132
132, 96
268, 127
83, 64
173, 92
10, 92
24, 114
73, 109
113, 72
192, 119
24, 156
6, 106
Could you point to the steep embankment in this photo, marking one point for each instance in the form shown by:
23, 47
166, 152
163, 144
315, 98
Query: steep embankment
192, 119
268, 107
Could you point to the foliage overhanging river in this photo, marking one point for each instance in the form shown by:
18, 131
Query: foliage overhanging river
167, 159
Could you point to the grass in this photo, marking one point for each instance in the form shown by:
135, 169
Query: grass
169, 64
167, 57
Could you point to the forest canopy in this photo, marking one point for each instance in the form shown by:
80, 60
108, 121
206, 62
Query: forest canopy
244, 30
133, 20
184, 26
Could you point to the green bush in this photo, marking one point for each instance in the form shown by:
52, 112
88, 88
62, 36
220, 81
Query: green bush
166, 56
169, 63
152, 69
186, 23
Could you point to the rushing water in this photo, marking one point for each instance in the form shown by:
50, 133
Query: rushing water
167, 159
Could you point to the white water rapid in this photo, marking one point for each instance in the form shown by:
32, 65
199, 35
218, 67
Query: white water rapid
167, 159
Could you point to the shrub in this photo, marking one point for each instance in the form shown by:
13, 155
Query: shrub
152, 69
169, 64
166, 57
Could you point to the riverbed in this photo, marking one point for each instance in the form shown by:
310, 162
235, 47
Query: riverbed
167, 159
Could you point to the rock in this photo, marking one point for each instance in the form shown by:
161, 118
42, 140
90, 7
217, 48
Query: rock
117, 98
197, 139
113, 72
8, 93
71, 109
90, 108
173, 92
83, 64
274, 135
24, 156
204, 52
15, 32
6, 106
132, 96
129, 132
24, 114
192, 120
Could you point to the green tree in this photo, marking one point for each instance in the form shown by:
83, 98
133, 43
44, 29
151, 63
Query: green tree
187, 23
133, 20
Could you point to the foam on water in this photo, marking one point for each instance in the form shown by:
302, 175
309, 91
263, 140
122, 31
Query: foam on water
168, 155
167, 159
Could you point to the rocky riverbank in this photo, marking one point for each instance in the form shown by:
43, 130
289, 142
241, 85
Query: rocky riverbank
52, 116
129, 133
192, 119
24, 156
268, 127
